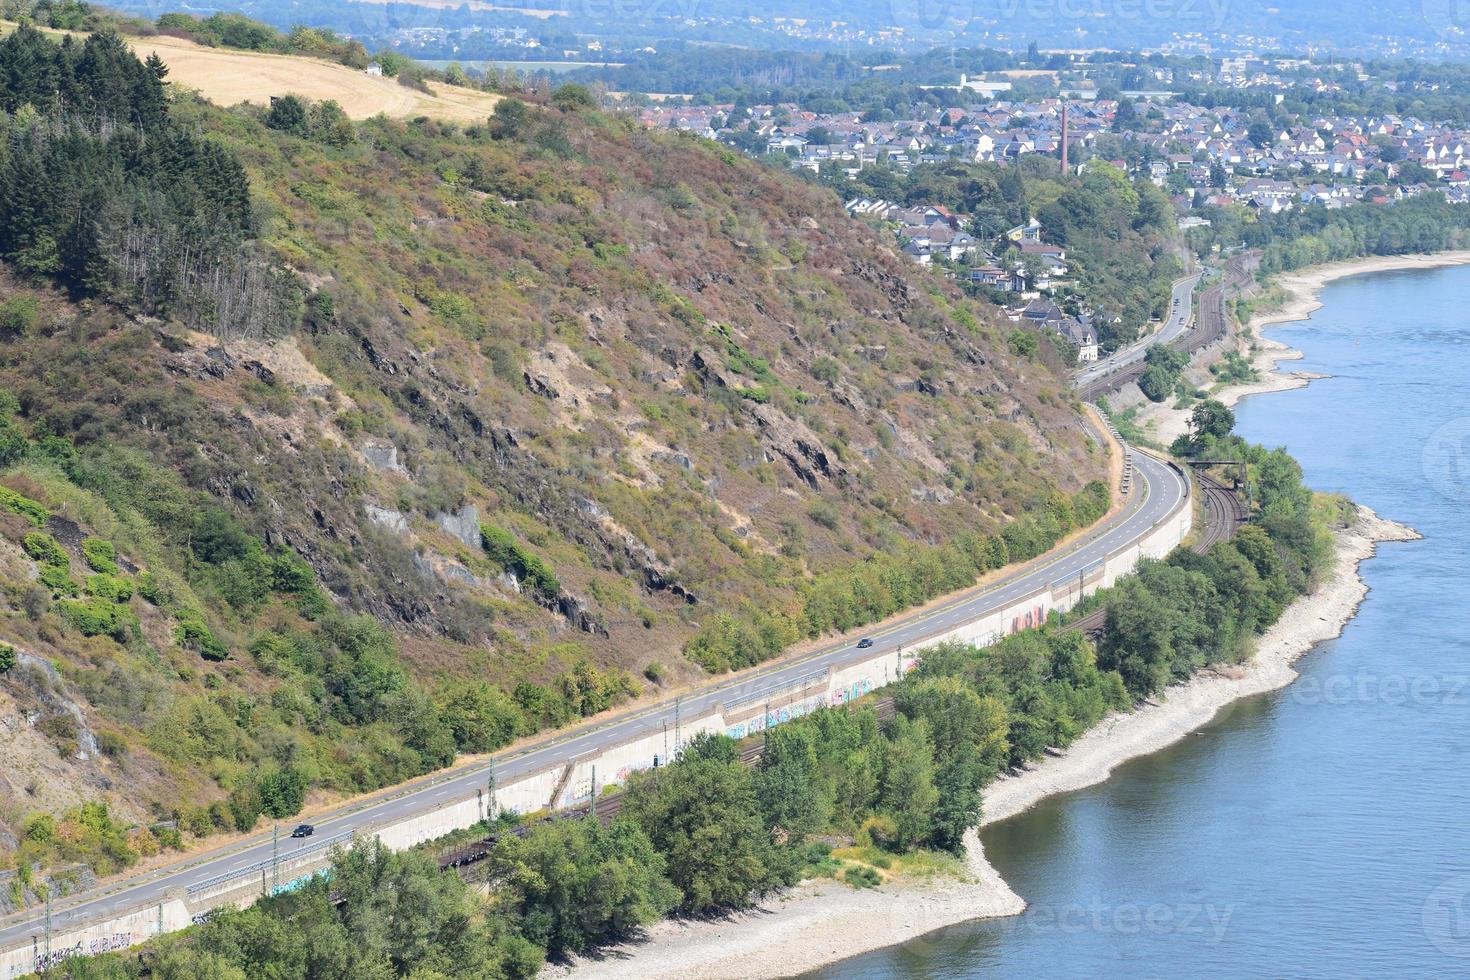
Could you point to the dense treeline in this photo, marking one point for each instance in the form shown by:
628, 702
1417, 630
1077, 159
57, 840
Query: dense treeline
890, 581
704, 834
102, 193
1310, 236
1174, 616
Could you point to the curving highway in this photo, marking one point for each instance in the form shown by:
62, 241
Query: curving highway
1159, 490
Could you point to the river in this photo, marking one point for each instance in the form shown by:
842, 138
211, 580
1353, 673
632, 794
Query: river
1322, 830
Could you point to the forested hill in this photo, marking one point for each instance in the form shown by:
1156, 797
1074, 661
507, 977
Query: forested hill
333, 449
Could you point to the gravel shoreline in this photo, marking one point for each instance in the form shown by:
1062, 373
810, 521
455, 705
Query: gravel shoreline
823, 922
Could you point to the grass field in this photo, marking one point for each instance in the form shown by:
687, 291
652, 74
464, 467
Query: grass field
227, 77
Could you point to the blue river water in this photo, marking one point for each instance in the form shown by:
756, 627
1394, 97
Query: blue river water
1322, 830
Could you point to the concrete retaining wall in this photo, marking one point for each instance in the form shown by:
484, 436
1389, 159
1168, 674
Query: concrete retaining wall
102, 937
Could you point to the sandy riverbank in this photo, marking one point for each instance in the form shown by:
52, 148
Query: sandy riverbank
814, 924
1303, 290
1118, 738
823, 922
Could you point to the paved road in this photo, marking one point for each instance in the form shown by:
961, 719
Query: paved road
1158, 491
1181, 315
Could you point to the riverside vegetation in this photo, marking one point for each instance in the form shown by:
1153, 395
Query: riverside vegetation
331, 451
707, 834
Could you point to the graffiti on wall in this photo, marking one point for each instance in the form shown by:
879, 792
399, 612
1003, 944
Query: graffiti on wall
300, 881
851, 692
1031, 618
775, 716
102, 944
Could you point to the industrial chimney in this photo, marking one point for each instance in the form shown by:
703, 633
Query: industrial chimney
1065, 133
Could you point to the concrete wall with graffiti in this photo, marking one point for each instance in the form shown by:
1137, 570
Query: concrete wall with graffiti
100, 937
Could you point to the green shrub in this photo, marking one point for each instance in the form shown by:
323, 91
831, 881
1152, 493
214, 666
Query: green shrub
282, 793
572, 97
288, 113
879, 830
55, 565
113, 588
1022, 343
245, 807
7, 658
290, 572
191, 633
111, 744
43, 548
58, 581
152, 589
508, 553
19, 316
96, 616
168, 837
41, 828
100, 555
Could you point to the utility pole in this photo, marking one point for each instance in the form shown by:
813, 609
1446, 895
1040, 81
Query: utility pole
898, 658
48, 926
275, 854
678, 741
592, 808
490, 791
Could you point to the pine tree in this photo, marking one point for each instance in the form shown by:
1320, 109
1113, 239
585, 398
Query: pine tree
28, 70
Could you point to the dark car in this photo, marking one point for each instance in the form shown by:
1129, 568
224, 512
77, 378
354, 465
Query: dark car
304, 830
864, 643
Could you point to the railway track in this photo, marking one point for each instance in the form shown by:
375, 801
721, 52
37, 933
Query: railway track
1210, 326
465, 856
1224, 514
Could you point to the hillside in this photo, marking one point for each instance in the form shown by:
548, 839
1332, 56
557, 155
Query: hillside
228, 77
335, 449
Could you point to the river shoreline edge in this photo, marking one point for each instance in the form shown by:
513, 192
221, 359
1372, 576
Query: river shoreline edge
822, 922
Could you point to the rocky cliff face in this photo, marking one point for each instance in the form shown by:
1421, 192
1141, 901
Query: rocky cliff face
647, 358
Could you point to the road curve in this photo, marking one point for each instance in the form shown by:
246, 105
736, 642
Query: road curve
1158, 492
1181, 315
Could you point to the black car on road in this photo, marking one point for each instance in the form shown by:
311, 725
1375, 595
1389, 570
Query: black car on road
304, 830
